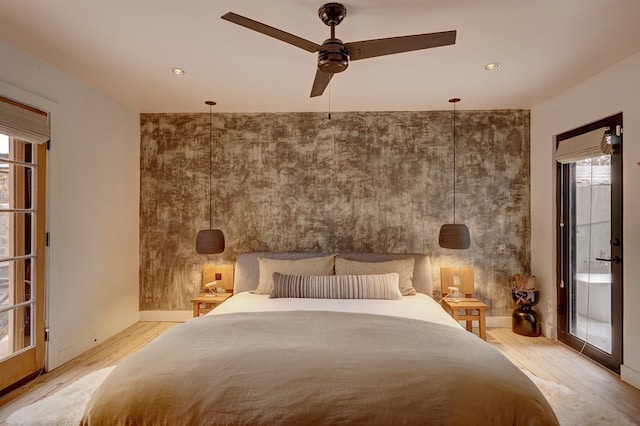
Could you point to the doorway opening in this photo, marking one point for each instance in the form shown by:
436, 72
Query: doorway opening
590, 240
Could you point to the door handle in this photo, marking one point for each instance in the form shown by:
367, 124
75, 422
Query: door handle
614, 259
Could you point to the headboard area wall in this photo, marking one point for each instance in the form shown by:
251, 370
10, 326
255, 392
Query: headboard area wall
358, 182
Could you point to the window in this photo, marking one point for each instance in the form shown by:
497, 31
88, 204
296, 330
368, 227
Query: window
22, 220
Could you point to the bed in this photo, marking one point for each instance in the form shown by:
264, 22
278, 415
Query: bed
267, 358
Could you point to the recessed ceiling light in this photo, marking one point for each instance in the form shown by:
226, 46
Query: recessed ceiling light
178, 71
492, 66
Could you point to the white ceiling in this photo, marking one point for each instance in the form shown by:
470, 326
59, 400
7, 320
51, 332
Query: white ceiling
126, 48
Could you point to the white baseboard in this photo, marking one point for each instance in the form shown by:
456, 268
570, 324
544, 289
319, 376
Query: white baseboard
499, 322
492, 322
630, 376
505, 322
170, 316
56, 355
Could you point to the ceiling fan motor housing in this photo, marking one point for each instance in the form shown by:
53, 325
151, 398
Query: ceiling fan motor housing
334, 57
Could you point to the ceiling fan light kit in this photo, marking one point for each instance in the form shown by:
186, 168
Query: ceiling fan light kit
333, 54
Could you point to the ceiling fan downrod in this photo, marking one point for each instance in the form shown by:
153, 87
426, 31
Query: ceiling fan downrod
334, 56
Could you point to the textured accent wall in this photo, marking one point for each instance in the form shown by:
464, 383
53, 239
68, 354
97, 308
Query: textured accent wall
361, 181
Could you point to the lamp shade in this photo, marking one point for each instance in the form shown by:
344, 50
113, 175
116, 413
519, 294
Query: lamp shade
210, 241
454, 236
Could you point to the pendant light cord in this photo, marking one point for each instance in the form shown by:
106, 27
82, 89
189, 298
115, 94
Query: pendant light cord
454, 162
454, 101
210, 103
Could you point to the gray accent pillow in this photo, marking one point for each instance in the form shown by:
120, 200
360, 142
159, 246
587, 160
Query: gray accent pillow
311, 266
404, 267
378, 286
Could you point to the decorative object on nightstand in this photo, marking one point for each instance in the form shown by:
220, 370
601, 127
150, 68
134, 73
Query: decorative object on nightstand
210, 241
524, 320
459, 278
461, 305
211, 287
221, 274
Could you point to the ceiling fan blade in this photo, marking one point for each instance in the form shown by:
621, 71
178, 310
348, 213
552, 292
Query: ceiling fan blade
320, 83
307, 45
388, 46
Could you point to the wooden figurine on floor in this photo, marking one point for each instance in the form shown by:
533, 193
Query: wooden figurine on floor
524, 320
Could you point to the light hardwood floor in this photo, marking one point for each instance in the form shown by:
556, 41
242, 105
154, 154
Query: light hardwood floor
108, 353
554, 361
547, 359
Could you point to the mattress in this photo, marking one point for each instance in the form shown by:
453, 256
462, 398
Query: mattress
418, 307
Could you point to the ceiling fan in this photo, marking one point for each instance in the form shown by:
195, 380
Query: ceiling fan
333, 54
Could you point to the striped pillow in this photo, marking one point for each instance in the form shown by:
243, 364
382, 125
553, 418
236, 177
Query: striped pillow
381, 286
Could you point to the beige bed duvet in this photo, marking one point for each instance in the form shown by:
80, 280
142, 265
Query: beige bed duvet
316, 367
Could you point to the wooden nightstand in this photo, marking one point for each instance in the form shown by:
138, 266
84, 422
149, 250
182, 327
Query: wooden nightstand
204, 303
467, 305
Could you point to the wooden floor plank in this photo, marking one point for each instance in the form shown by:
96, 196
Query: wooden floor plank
554, 361
110, 352
544, 358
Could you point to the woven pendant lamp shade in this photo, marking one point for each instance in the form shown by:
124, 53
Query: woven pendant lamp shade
454, 236
210, 241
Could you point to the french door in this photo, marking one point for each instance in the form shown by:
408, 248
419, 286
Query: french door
22, 180
590, 245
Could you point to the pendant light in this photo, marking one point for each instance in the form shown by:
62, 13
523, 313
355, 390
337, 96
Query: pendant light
210, 241
453, 235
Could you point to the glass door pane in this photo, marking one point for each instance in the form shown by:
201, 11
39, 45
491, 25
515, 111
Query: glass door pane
17, 304
591, 314
22, 241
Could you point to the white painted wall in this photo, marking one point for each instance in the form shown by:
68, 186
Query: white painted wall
614, 90
92, 206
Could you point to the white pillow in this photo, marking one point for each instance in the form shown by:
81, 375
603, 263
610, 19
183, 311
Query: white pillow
404, 267
382, 286
310, 266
